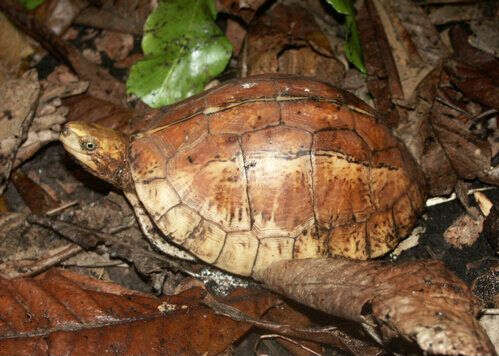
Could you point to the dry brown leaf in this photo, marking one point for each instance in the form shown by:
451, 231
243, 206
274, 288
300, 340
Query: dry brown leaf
244, 9
472, 56
288, 40
101, 83
60, 312
15, 49
469, 155
457, 12
474, 84
18, 102
420, 301
50, 113
91, 109
33, 195
126, 16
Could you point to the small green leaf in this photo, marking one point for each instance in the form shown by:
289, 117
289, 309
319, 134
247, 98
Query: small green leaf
344, 7
31, 4
183, 48
353, 49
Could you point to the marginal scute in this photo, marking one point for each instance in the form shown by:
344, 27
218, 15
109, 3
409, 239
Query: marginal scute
210, 178
273, 249
239, 253
349, 240
157, 196
381, 233
178, 223
377, 136
206, 241
403, 215
310, 243
387, 186
342, 194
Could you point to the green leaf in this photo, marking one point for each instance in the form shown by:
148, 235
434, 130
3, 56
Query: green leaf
353, 49
184, 49
31, 4
342, 6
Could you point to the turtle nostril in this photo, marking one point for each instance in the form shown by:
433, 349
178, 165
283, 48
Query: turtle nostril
65, 131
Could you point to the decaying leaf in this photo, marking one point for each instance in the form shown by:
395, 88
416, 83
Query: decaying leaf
60, 312
101, 83
244, 9
18, 102
16, 49
126, 16
469, 155
419, 301
288, 40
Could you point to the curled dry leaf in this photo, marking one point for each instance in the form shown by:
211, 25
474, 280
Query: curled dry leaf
60, 312
420, 301
244, 9
50, 113
18, 101
469, 155
287, 40
474, 84
401, 48
101, 84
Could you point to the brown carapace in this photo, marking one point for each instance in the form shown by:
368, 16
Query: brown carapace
275, 167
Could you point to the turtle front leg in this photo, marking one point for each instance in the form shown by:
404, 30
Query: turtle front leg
147, 227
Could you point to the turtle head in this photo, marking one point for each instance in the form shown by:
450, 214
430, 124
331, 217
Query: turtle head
100, 150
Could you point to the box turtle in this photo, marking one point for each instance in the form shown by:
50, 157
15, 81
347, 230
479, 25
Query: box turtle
262, 169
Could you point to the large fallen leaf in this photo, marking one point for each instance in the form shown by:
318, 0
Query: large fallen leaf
288, 40
420, 301
183, 48
62, 313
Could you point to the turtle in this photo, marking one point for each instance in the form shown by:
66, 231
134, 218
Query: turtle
262, 169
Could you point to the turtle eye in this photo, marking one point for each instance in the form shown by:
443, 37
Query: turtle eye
89, 145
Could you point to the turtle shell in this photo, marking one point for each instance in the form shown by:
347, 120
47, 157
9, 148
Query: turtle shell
276, 167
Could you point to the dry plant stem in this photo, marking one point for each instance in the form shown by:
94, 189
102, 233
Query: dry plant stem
92, 239
52, 257
62, 207
320, 334
276, 336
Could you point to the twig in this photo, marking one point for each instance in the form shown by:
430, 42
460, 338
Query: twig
60, 208
274, 336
